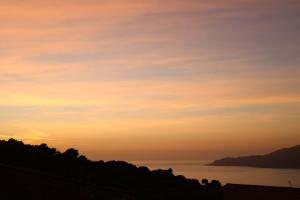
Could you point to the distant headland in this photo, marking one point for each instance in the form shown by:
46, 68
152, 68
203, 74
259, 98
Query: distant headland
282, 158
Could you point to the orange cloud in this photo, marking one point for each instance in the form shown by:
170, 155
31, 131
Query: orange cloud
157, 76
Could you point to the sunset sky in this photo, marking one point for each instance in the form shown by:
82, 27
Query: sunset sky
151, 79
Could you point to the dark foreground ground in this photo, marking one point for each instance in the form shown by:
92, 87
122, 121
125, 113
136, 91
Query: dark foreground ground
254, 192
17, 184
38, 172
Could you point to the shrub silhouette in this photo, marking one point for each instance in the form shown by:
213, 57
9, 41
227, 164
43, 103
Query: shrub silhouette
70, 154
141, 181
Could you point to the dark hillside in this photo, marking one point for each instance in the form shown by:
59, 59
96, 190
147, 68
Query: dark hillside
283, 158
39, 171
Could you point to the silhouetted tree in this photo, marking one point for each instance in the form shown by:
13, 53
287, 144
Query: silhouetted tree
70, 154
215, 184
144, 183
205, 182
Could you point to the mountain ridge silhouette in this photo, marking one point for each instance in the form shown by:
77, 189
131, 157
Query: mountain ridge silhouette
281, 158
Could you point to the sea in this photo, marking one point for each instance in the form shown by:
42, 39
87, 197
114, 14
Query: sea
239, 175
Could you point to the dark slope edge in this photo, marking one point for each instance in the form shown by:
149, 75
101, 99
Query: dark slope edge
283, 158
39, 172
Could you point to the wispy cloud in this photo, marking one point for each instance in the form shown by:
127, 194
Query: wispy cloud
133, 69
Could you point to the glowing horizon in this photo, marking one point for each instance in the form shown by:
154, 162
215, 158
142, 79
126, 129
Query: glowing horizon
151, 79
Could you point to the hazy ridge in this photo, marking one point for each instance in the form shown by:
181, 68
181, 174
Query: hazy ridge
282, 158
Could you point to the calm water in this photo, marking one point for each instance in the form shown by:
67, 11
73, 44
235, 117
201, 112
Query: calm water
242, 175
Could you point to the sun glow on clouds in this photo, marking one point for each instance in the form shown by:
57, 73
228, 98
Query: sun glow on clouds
196, 78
